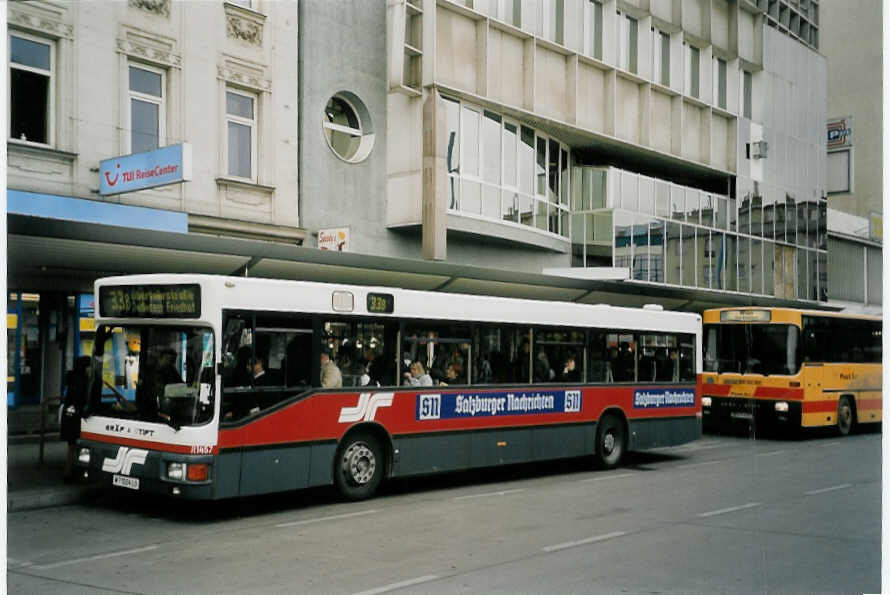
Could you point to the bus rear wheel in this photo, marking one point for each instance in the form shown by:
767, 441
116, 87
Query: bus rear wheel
845, 416
611, 441
359, 466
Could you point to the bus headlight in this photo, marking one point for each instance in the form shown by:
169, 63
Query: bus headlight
176, 471
782, 407
706, 401
84, 456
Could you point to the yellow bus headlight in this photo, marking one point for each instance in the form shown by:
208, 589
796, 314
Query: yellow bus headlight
782, 407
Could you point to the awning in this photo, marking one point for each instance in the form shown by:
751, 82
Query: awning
49, 254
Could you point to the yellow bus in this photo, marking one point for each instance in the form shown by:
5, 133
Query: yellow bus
783, 368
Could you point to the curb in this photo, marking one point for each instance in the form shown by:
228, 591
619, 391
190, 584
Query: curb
22, 500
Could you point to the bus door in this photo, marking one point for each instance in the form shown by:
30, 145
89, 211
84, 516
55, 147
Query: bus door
267, 361
812, 381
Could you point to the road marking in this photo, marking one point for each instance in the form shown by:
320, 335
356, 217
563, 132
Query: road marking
771, 454
487, 494
699, 446
568, 544
606, 478
731, 509
13, 563
691, 465
831, 489
91, 558
829, 444
327, 518
394, 586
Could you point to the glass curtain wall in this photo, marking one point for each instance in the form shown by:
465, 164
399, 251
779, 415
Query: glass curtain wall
502, 171
666, 233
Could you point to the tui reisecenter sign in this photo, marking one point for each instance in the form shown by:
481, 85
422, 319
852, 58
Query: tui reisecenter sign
167, 165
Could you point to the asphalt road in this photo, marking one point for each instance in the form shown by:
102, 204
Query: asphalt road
721, 515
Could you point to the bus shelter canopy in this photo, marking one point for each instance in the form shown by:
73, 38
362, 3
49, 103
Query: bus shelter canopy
46, 254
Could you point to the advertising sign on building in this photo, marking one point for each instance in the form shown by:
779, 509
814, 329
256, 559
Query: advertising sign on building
127, 173
335, 239
840, 132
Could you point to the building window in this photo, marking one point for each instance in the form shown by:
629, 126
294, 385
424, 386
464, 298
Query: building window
627, 37
243, 3
747, 93
661, 57
31, 67
593, 19
693, 71
720, 82
241, 134
509, 11
147, 113
840, 171
550, 25
347, 127
500, 170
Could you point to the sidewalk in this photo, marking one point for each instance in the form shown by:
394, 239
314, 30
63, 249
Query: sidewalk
29, 484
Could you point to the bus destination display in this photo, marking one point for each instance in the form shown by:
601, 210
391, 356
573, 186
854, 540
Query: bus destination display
381, 303
150, 301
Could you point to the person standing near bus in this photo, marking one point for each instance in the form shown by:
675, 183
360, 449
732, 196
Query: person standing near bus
330, 373
72, 409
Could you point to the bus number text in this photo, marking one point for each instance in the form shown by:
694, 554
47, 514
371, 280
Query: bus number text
573, 401
430, 406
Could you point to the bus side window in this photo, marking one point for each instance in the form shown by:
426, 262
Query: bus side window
687, 358
598, 367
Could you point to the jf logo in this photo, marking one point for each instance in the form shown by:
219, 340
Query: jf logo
124, 461
367, 406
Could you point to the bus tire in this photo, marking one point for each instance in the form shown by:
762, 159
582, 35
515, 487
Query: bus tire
611, 441
359, 466
846, 416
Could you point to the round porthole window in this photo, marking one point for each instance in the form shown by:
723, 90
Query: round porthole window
347, 127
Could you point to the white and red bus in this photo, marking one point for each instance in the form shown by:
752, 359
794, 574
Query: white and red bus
212, 387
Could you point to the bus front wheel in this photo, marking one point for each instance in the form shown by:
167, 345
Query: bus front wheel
359, 466
845, 415
611, 441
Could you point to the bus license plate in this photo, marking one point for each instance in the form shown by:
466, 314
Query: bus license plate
125, 482
738, 415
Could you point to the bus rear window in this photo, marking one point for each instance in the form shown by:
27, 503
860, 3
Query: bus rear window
752, 348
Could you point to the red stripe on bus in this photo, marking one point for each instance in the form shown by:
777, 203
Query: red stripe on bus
779, 392
161, 446
716, 390
819, 406
868, 403
317, 418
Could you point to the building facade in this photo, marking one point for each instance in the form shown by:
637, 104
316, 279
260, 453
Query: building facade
677, 146
855, 153
677, 139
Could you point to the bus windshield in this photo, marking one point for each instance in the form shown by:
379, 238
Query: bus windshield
751, 348
161, 374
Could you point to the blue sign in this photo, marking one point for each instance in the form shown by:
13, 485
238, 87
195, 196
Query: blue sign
662, 398
167, 165
464, 405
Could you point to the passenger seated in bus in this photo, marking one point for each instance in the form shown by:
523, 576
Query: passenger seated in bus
258, 371
417, 376
521, 364
543, 371
451, 376
570, 371
646, 370
330, 373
